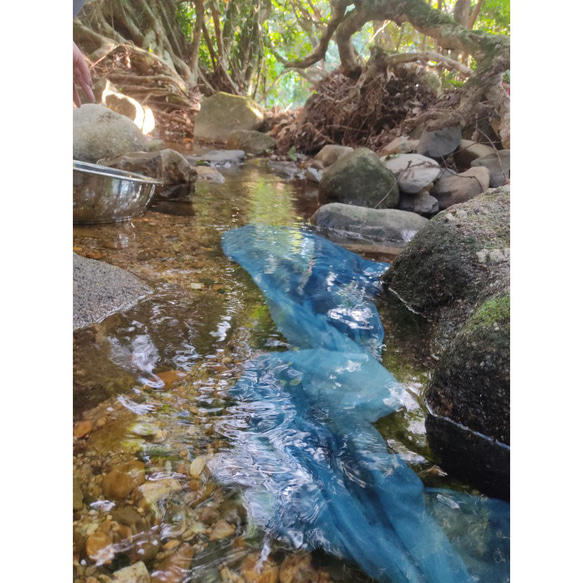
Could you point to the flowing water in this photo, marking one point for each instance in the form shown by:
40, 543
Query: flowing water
152, 400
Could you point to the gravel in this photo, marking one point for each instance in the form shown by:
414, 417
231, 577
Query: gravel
100, 289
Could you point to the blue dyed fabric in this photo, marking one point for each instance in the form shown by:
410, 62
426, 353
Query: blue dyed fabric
316, 472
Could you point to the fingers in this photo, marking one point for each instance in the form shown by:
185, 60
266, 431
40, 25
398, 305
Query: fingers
81, 76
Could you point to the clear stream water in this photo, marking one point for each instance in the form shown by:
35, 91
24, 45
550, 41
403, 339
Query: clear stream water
151, 394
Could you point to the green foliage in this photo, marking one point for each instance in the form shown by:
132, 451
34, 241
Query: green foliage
258, 37
494, 17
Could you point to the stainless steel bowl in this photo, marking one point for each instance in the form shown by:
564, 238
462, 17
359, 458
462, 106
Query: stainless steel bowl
108, 195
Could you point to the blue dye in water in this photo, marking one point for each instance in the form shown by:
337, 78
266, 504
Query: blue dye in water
317, 473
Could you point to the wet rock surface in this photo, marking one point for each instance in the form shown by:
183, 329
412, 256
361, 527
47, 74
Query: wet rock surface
456, 272
350, 223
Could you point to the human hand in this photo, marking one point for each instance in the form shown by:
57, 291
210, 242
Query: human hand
81, 76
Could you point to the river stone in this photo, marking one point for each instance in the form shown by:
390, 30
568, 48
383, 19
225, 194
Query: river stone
121, 480
438, 144
209, 174
422, 203
99, 132
167, 166
350, 223
222, 113
359, 178
100, 289
453, 188
470, 151
499, 166
154, 491
400, 145
136, 573
251, 142
77, 494
219, 157
172, 569
414, 172
330, 153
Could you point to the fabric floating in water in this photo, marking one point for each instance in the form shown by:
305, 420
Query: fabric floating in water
316, 472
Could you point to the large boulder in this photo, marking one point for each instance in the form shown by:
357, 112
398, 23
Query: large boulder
222, 113
456, 273
359, 178
99, 132
345, 223
468, 399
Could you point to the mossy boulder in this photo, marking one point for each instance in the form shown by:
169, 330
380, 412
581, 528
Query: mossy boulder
468, 398
456, 272
222, 113
449, 264
359, 178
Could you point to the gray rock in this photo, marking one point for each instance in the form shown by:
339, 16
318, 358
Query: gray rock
100, 133
210, 174
222, 113
456, 272
349, 223
287, 170
251, 142
470, 151
313, 175
400, 145
100, 289
330, 153
359, 178
136, 573
438, 144
414, 172
499, 166
456, 188
422, 203
219, 157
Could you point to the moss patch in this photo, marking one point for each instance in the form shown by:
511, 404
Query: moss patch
493, 311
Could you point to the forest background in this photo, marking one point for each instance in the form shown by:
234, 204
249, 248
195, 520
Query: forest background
36, 242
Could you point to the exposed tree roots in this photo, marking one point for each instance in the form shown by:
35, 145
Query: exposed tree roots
140, 75
354, 113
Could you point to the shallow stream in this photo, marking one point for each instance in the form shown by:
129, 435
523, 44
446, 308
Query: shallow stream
151, 393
